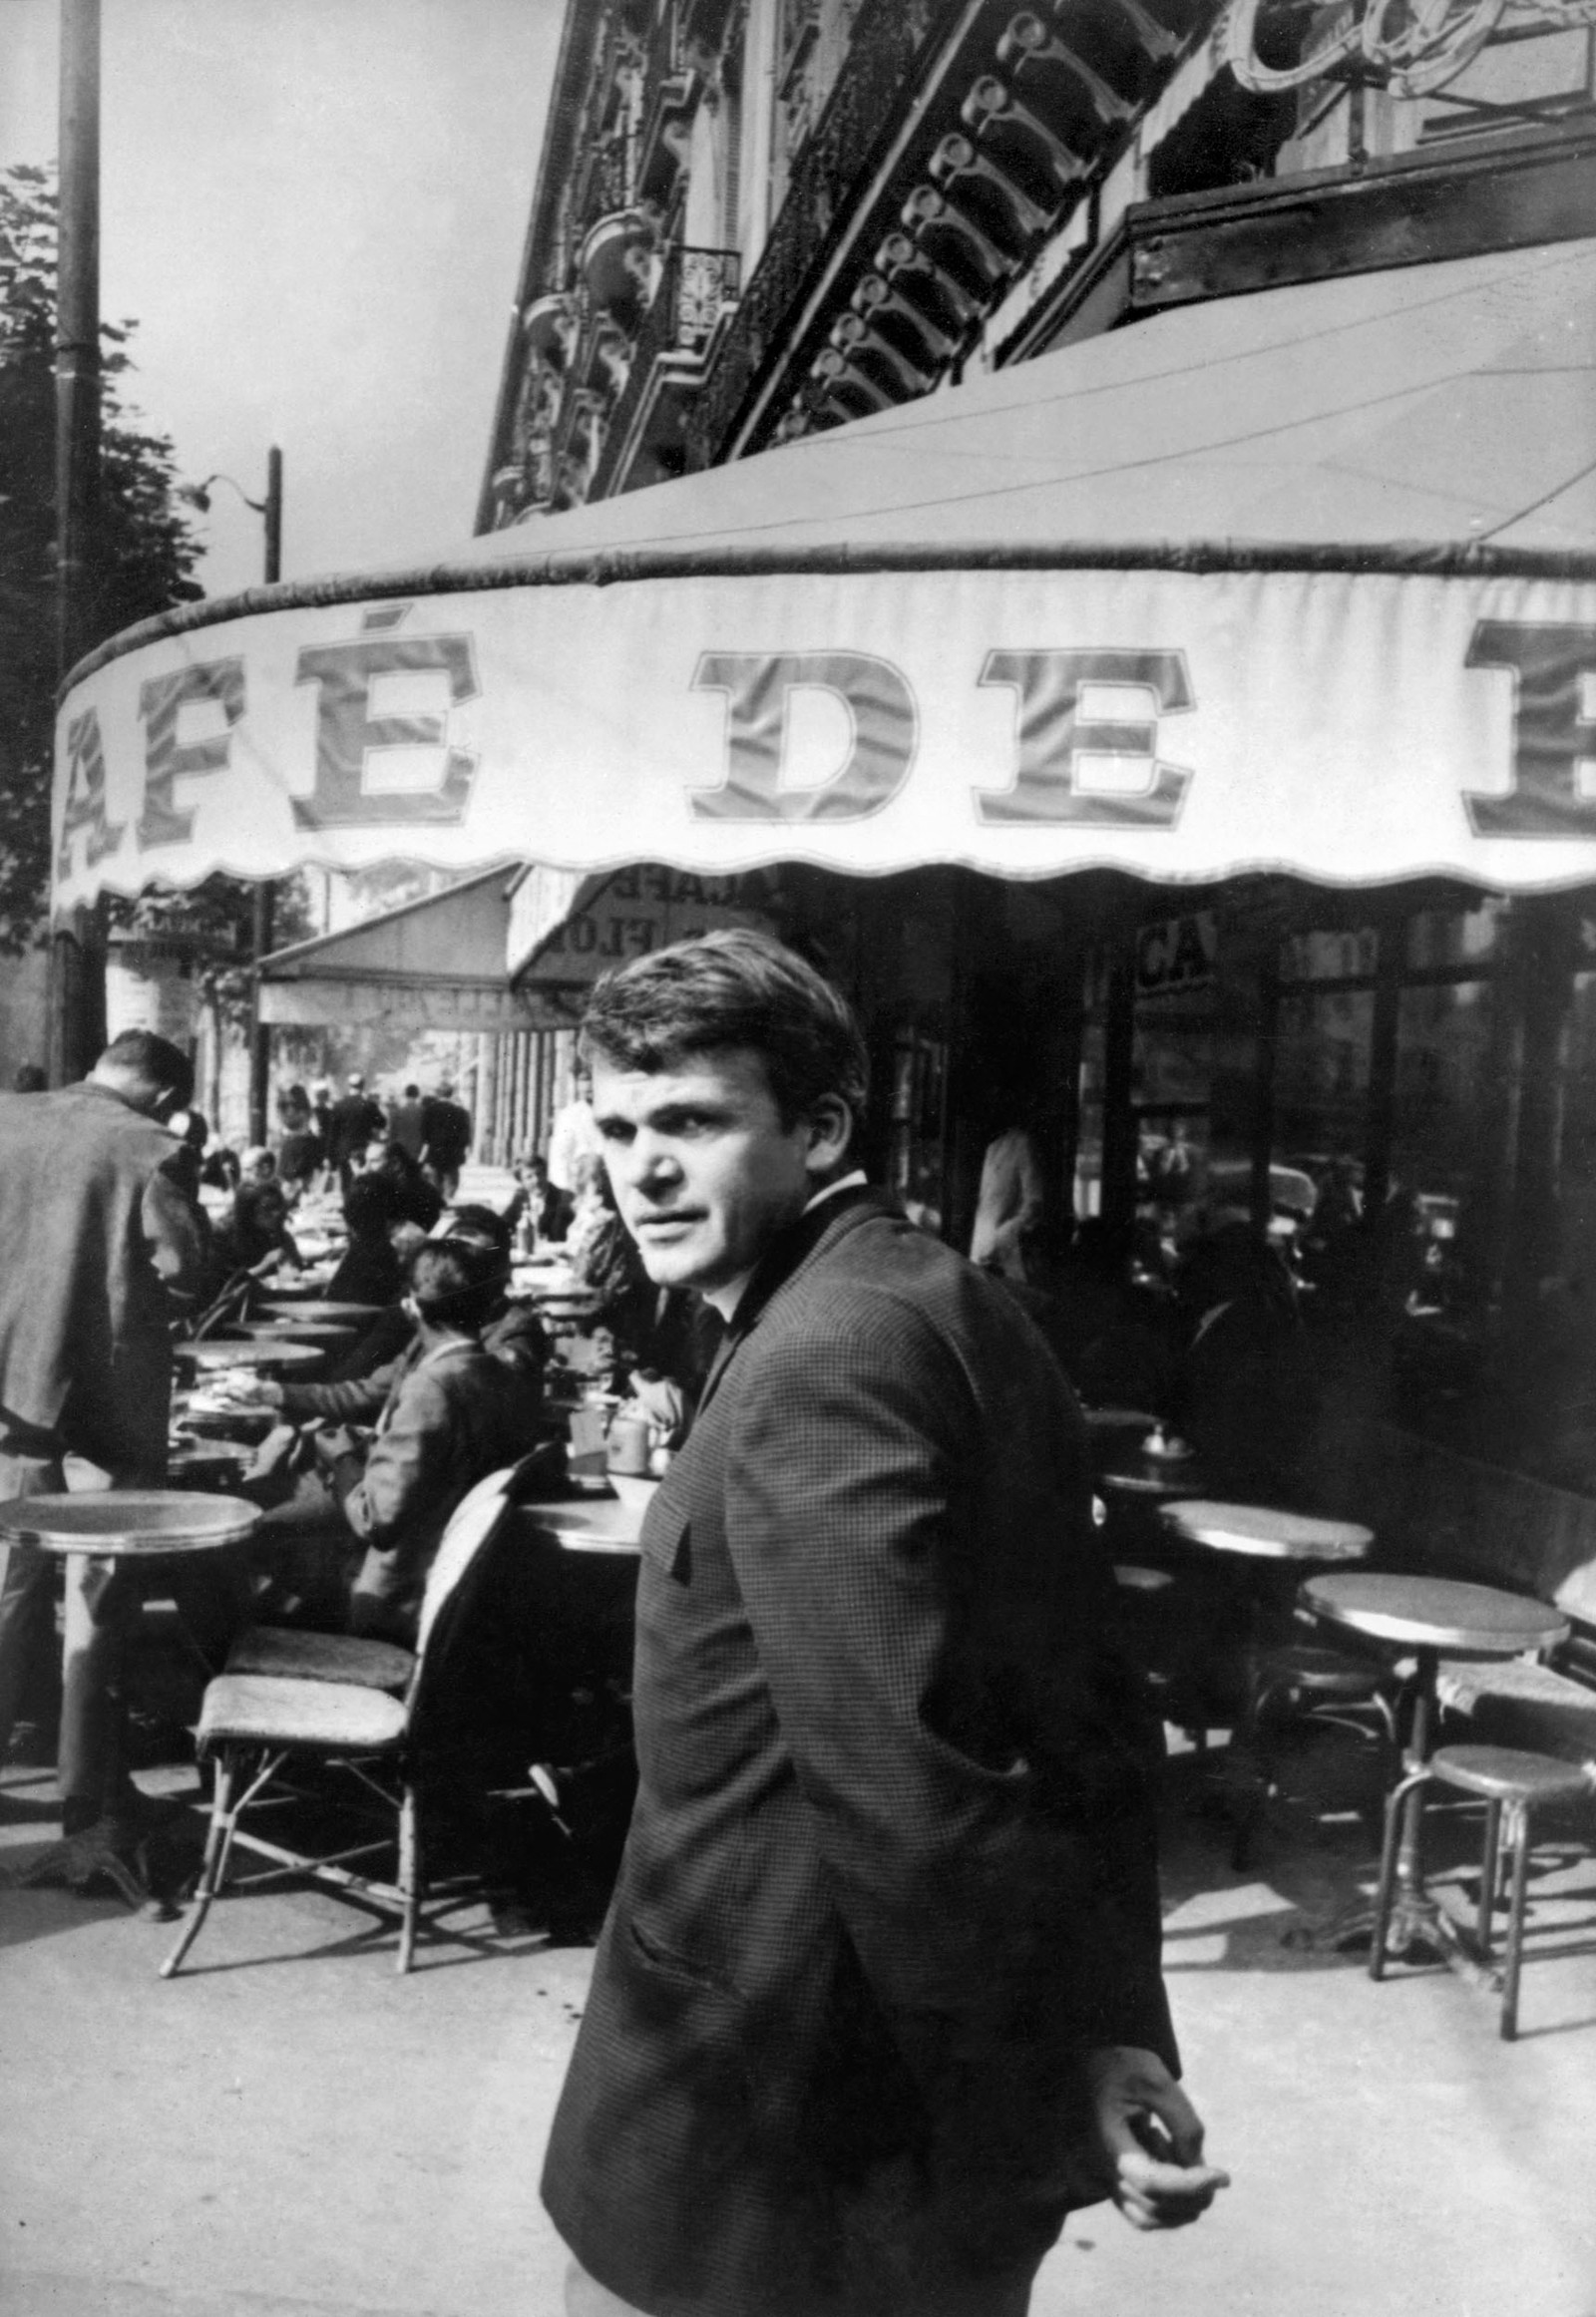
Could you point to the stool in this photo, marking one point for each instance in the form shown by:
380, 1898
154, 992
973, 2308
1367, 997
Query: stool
1313, 1682
1506, 1781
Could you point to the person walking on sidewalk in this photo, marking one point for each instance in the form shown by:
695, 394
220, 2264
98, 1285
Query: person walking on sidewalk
878, 2000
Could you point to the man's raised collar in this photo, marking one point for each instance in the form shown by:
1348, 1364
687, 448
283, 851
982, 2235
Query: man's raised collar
798, 1241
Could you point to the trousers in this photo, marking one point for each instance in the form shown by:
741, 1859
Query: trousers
103, 1606
97, 1611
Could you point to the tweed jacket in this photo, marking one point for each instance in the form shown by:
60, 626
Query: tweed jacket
452, 1416
890, 1874
94, 1233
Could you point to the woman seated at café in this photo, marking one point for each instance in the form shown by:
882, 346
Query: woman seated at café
371, 1270
254, 1238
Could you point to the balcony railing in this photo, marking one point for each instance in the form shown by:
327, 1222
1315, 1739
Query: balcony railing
887, 38
605, 183
695, 291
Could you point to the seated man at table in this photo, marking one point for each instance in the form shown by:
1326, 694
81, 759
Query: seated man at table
360, 1383
369, 1271
1245, 1393
453, 1413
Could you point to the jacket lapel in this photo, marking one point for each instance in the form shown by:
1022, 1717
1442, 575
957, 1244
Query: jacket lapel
814, 1233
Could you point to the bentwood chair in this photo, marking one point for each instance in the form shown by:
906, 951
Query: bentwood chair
264, 1729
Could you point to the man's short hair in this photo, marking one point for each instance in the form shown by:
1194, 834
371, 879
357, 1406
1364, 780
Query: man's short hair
137, 1058
734, 988
480, 1224
457, 1282
370, 1205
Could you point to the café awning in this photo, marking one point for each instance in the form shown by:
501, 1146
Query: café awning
1302, 580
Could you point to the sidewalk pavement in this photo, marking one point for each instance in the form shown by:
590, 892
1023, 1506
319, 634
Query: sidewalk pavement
290, 2130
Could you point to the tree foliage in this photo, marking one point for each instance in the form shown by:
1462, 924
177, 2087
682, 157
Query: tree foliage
145, 548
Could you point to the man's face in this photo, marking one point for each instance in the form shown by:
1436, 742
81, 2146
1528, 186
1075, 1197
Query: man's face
705, 1173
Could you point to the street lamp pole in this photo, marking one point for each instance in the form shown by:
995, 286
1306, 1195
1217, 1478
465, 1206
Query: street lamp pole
265, 897
76, 1001
269, 509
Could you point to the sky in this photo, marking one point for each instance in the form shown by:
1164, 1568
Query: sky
314, 210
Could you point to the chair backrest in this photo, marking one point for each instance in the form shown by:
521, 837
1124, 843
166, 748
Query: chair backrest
472, 1527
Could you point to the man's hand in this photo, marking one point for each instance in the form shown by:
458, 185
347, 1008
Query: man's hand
261, 1391
1152, 2138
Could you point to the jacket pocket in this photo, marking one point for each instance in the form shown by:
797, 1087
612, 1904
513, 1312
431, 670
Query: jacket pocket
688, 2026
666, 1539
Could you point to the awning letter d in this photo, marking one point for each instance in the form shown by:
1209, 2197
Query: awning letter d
882, 724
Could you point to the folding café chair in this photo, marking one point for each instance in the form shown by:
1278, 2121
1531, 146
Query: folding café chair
261, 1726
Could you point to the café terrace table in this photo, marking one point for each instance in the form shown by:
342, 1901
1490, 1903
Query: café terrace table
267, 1355
293, 1332
128, 1526
277, 1307
1426, 1616
1265, 1547
593, 1524
1153, 1477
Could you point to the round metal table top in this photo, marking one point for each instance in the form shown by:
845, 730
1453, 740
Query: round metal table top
1153, 1477
299, 1330
1119, 1420
1264, 1532
595, 1524
198, 1456
317, 1307
273, 1352
1435, 1613
128, 1521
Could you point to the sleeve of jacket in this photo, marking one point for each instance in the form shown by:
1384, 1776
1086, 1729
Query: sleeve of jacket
174, 1235
408, 1464
359, 1401
986, 1923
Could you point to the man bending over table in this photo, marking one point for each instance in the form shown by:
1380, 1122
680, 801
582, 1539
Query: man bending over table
97, 1240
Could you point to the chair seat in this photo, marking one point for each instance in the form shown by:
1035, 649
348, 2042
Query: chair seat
1466, 1684
1319, 1673
1131, 1578
270, 1709
321, 1657
1504, 1773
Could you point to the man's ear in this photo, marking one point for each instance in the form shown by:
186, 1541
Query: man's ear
830, 1126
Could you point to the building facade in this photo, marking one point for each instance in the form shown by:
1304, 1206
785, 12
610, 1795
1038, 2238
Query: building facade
756, 218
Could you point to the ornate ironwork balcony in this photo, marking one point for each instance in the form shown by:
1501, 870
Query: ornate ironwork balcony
887, 38
697, 290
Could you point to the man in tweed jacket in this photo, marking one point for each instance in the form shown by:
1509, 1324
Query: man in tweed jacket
878, 2000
